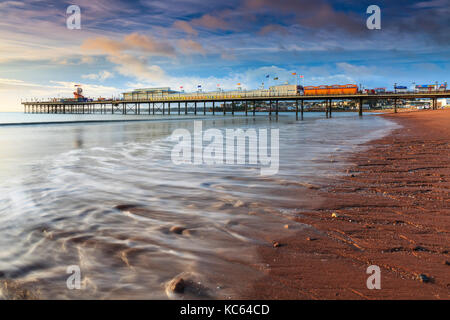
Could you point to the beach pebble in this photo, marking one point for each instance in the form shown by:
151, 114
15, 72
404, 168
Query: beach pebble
311, 239
311, 186
126, 207
276, 244
187, 232
424, 278
447, 263
286, 226
231, 223
177, 285
419, 248
238, 204
334, 215
221, 205
48, 235
177, 229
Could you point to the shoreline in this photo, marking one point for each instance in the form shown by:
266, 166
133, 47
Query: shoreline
390, 209
173, 117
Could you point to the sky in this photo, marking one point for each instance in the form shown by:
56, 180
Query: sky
123, 45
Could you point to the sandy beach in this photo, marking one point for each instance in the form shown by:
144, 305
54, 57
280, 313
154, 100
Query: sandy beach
391, 208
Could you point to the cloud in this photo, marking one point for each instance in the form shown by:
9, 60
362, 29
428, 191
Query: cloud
12, 84
101, 76
87, 60
9, 4
317, 15
104, 45
228, 54
135, 67
427, 19
134, 41
351, 69
273, 28
211, 22
129, 64
190, 46
74, 60
149, 45
431, 4
185, 26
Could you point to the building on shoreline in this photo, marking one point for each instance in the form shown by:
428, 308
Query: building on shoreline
149, 93
442, 103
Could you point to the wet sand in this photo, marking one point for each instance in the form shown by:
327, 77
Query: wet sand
391, 208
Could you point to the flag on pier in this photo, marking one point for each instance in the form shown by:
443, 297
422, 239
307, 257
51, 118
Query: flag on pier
294, 73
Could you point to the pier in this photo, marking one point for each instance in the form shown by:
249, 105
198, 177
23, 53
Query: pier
221, 104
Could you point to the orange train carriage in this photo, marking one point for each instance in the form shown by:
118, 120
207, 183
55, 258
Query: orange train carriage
330, 90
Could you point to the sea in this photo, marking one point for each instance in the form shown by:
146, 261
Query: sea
96, 207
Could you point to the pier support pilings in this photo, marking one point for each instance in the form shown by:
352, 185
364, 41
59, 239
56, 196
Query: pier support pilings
330, 104
360, 107
302, 109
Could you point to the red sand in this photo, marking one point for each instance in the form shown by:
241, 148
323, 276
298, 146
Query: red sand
393, 209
